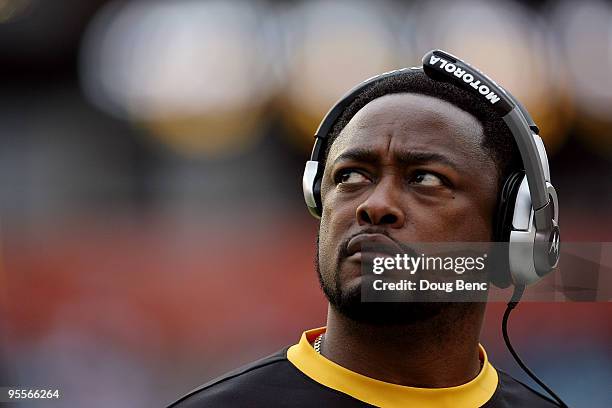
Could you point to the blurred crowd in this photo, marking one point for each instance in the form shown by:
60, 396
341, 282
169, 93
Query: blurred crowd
152, 228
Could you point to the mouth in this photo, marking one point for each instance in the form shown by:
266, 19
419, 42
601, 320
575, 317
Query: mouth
371, 245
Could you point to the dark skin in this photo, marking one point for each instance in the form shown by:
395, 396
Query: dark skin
411, 167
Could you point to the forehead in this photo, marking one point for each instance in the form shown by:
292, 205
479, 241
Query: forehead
412, 122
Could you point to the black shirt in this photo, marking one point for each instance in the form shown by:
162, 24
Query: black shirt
299, 377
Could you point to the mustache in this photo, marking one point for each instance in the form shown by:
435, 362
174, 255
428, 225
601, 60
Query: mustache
343, 253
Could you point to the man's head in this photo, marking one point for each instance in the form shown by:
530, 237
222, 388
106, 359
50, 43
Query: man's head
410, 160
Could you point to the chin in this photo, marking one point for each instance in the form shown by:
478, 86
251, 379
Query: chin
348, 302
390, 314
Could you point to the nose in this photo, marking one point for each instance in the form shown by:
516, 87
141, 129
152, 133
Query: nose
382, 206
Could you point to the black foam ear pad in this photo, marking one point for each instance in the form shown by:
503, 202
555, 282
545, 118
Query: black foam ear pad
502, 226
316, 189
505, 206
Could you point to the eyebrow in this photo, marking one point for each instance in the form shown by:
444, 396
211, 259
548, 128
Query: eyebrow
359, 155
411, 157
405, 157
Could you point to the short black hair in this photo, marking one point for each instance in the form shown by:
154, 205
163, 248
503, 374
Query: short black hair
498, 139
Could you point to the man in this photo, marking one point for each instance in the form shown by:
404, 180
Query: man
409, 160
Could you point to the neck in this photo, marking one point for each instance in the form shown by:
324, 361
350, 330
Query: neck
438, 353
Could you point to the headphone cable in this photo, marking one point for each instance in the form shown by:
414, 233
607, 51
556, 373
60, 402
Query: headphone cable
514, 301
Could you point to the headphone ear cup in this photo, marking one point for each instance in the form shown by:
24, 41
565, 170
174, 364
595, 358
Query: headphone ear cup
502, 227
311, 187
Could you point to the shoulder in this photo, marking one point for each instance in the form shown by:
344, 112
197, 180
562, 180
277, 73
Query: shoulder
513, 393
240, 384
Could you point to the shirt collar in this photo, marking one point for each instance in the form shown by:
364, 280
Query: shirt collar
379, 393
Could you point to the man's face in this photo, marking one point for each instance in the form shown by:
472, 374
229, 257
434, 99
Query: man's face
409, 168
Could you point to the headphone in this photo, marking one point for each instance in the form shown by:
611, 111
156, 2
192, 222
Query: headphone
528, 210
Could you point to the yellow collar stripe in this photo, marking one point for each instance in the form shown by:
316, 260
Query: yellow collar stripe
379, 393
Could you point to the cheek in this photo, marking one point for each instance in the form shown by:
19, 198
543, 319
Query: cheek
336, 221
462, 217
466, 219
329, 231
337, 215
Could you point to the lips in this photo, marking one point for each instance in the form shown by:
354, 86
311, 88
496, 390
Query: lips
372, 243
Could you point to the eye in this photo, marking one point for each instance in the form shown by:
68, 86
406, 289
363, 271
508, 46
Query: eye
351, 177
425, 178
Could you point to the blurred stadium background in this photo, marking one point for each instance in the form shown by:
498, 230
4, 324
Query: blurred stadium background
152, 224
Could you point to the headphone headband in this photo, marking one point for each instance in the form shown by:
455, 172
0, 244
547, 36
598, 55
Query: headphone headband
442, 66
